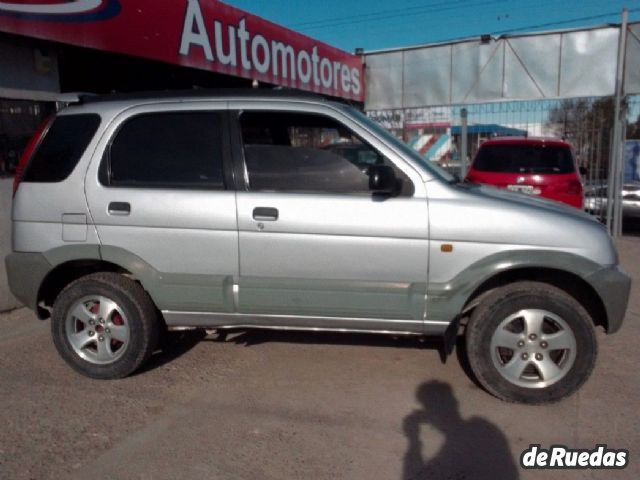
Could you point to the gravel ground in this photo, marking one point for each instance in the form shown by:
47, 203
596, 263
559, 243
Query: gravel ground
293, 405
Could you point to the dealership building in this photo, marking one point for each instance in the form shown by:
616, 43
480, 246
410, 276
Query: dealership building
49, 47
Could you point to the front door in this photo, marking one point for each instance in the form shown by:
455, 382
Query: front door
317, 248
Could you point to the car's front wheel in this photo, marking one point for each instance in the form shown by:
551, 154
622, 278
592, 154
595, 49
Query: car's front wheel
104, 325
531, 342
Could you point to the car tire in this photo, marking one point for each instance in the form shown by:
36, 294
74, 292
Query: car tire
104, 325
530, 342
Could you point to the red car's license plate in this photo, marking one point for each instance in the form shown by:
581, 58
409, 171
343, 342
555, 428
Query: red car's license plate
528, 189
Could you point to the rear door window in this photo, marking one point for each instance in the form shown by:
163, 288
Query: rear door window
61, 148
167, 150
542, 159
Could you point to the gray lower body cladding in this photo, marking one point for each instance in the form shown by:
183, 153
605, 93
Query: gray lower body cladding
26, 272
613, 285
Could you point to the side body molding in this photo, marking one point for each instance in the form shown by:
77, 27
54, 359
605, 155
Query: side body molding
175, 291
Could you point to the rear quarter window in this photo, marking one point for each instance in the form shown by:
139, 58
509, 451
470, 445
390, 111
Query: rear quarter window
60, 150
167, 150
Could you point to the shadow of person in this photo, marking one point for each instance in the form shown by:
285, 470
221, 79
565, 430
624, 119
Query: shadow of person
472, 449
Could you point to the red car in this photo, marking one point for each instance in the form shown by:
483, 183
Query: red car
535, 166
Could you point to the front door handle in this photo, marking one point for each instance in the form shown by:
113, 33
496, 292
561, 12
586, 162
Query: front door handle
119, 208
265, 214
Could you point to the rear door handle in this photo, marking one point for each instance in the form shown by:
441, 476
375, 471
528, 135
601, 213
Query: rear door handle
119, 208
265, 214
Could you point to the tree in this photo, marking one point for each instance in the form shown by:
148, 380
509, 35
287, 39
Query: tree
588, 125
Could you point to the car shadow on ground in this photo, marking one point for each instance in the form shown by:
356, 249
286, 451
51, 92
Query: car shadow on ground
177, 343
470, 448
172, 345
250, 338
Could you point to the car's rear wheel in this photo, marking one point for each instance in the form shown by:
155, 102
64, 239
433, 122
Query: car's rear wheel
104, 325
531, 342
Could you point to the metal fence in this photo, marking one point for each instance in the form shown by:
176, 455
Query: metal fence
436, 132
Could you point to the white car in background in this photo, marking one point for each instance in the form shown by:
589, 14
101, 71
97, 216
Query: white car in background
596, 201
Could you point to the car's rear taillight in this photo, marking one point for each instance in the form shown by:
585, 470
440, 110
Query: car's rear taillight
28, 152
574, 187
571, 187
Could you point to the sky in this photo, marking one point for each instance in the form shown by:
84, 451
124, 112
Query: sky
381, 24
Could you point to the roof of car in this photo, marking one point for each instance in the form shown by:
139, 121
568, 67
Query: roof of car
202, 93
527, 141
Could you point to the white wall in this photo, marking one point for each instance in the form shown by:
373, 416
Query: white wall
7, 301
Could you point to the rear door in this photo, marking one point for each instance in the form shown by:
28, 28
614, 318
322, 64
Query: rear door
317, 249
162, 197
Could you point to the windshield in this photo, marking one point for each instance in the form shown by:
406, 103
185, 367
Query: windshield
431, 167
524, 159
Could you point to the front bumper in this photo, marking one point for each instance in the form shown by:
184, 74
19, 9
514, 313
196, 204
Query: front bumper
26, 272
613, 285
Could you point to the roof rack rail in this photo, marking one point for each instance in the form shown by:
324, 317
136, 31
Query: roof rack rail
73, 97
201, 93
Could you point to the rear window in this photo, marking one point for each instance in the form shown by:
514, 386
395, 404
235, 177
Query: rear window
62, 147
524, 159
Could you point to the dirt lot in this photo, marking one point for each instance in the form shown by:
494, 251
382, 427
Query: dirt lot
276, 405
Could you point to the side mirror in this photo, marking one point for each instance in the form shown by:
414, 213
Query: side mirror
583, 170
382, 179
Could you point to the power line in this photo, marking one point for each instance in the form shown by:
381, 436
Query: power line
375, 15
362, 19
563, 22
458, 21
418, 11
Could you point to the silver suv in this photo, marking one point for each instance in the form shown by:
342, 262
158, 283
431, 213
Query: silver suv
271, 210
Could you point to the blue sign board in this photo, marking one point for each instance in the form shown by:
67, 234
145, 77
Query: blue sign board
632, 161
